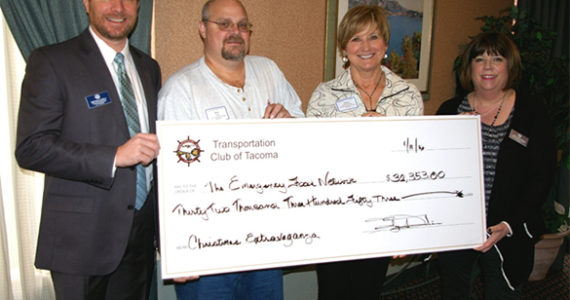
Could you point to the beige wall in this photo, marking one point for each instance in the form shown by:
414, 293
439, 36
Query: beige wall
454, 22
292, 33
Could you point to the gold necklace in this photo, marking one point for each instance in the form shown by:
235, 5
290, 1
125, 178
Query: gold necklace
370, 95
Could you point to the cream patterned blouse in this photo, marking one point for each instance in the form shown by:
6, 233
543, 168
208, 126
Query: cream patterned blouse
340, 98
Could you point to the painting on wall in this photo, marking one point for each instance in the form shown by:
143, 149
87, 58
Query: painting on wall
410, 37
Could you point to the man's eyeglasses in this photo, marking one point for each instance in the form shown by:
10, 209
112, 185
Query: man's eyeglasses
227, 25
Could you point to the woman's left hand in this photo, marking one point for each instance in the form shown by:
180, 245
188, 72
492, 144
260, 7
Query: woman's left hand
497, 232
372, 114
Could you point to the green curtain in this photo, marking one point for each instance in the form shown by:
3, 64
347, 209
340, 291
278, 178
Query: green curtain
36, 23
552, 15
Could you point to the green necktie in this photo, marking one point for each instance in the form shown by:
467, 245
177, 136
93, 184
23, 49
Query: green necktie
129, 104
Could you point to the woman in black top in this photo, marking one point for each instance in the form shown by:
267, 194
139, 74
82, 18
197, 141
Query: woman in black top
519, 161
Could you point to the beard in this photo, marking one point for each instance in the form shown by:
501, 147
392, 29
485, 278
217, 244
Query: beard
234, 53
114, 35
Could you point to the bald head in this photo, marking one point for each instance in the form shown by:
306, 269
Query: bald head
225, 44
209, 3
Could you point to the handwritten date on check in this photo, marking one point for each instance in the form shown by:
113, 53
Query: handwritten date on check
253, 194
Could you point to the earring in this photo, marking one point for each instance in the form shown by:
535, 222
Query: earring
344, 57
385, 55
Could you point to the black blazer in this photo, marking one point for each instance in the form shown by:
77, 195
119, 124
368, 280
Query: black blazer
86, 213
523, 178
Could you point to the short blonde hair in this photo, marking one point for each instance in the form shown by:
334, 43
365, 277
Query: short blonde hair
359, 18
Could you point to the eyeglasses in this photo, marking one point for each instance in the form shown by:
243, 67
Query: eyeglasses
227, 25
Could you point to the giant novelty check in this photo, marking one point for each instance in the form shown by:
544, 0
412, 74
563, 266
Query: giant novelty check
254, 194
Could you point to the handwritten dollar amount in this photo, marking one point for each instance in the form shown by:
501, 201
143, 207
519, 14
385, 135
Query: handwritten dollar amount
415, 176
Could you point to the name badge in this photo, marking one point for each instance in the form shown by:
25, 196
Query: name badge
346, 104
97, 100
217, 113
518, 137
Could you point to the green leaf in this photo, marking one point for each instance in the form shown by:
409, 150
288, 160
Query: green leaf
539, 36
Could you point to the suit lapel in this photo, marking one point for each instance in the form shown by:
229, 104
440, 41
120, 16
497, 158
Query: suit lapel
102, 77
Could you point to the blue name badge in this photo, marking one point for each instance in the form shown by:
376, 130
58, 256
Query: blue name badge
99, 99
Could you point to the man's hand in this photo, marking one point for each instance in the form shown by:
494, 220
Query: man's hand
143, 148
273, 111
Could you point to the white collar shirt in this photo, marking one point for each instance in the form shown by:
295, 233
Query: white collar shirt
196, 93
109, 54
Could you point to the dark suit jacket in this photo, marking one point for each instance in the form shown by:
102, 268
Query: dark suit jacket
523, 177
86, 214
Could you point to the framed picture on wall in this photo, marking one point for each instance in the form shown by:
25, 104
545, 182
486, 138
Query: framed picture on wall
410, 37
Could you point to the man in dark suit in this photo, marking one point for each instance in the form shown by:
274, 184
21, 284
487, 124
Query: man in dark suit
87, 117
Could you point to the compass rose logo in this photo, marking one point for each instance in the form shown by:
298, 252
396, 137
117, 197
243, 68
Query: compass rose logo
188, 151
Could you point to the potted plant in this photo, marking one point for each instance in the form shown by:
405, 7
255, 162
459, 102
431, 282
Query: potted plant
546, 250
546, 78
